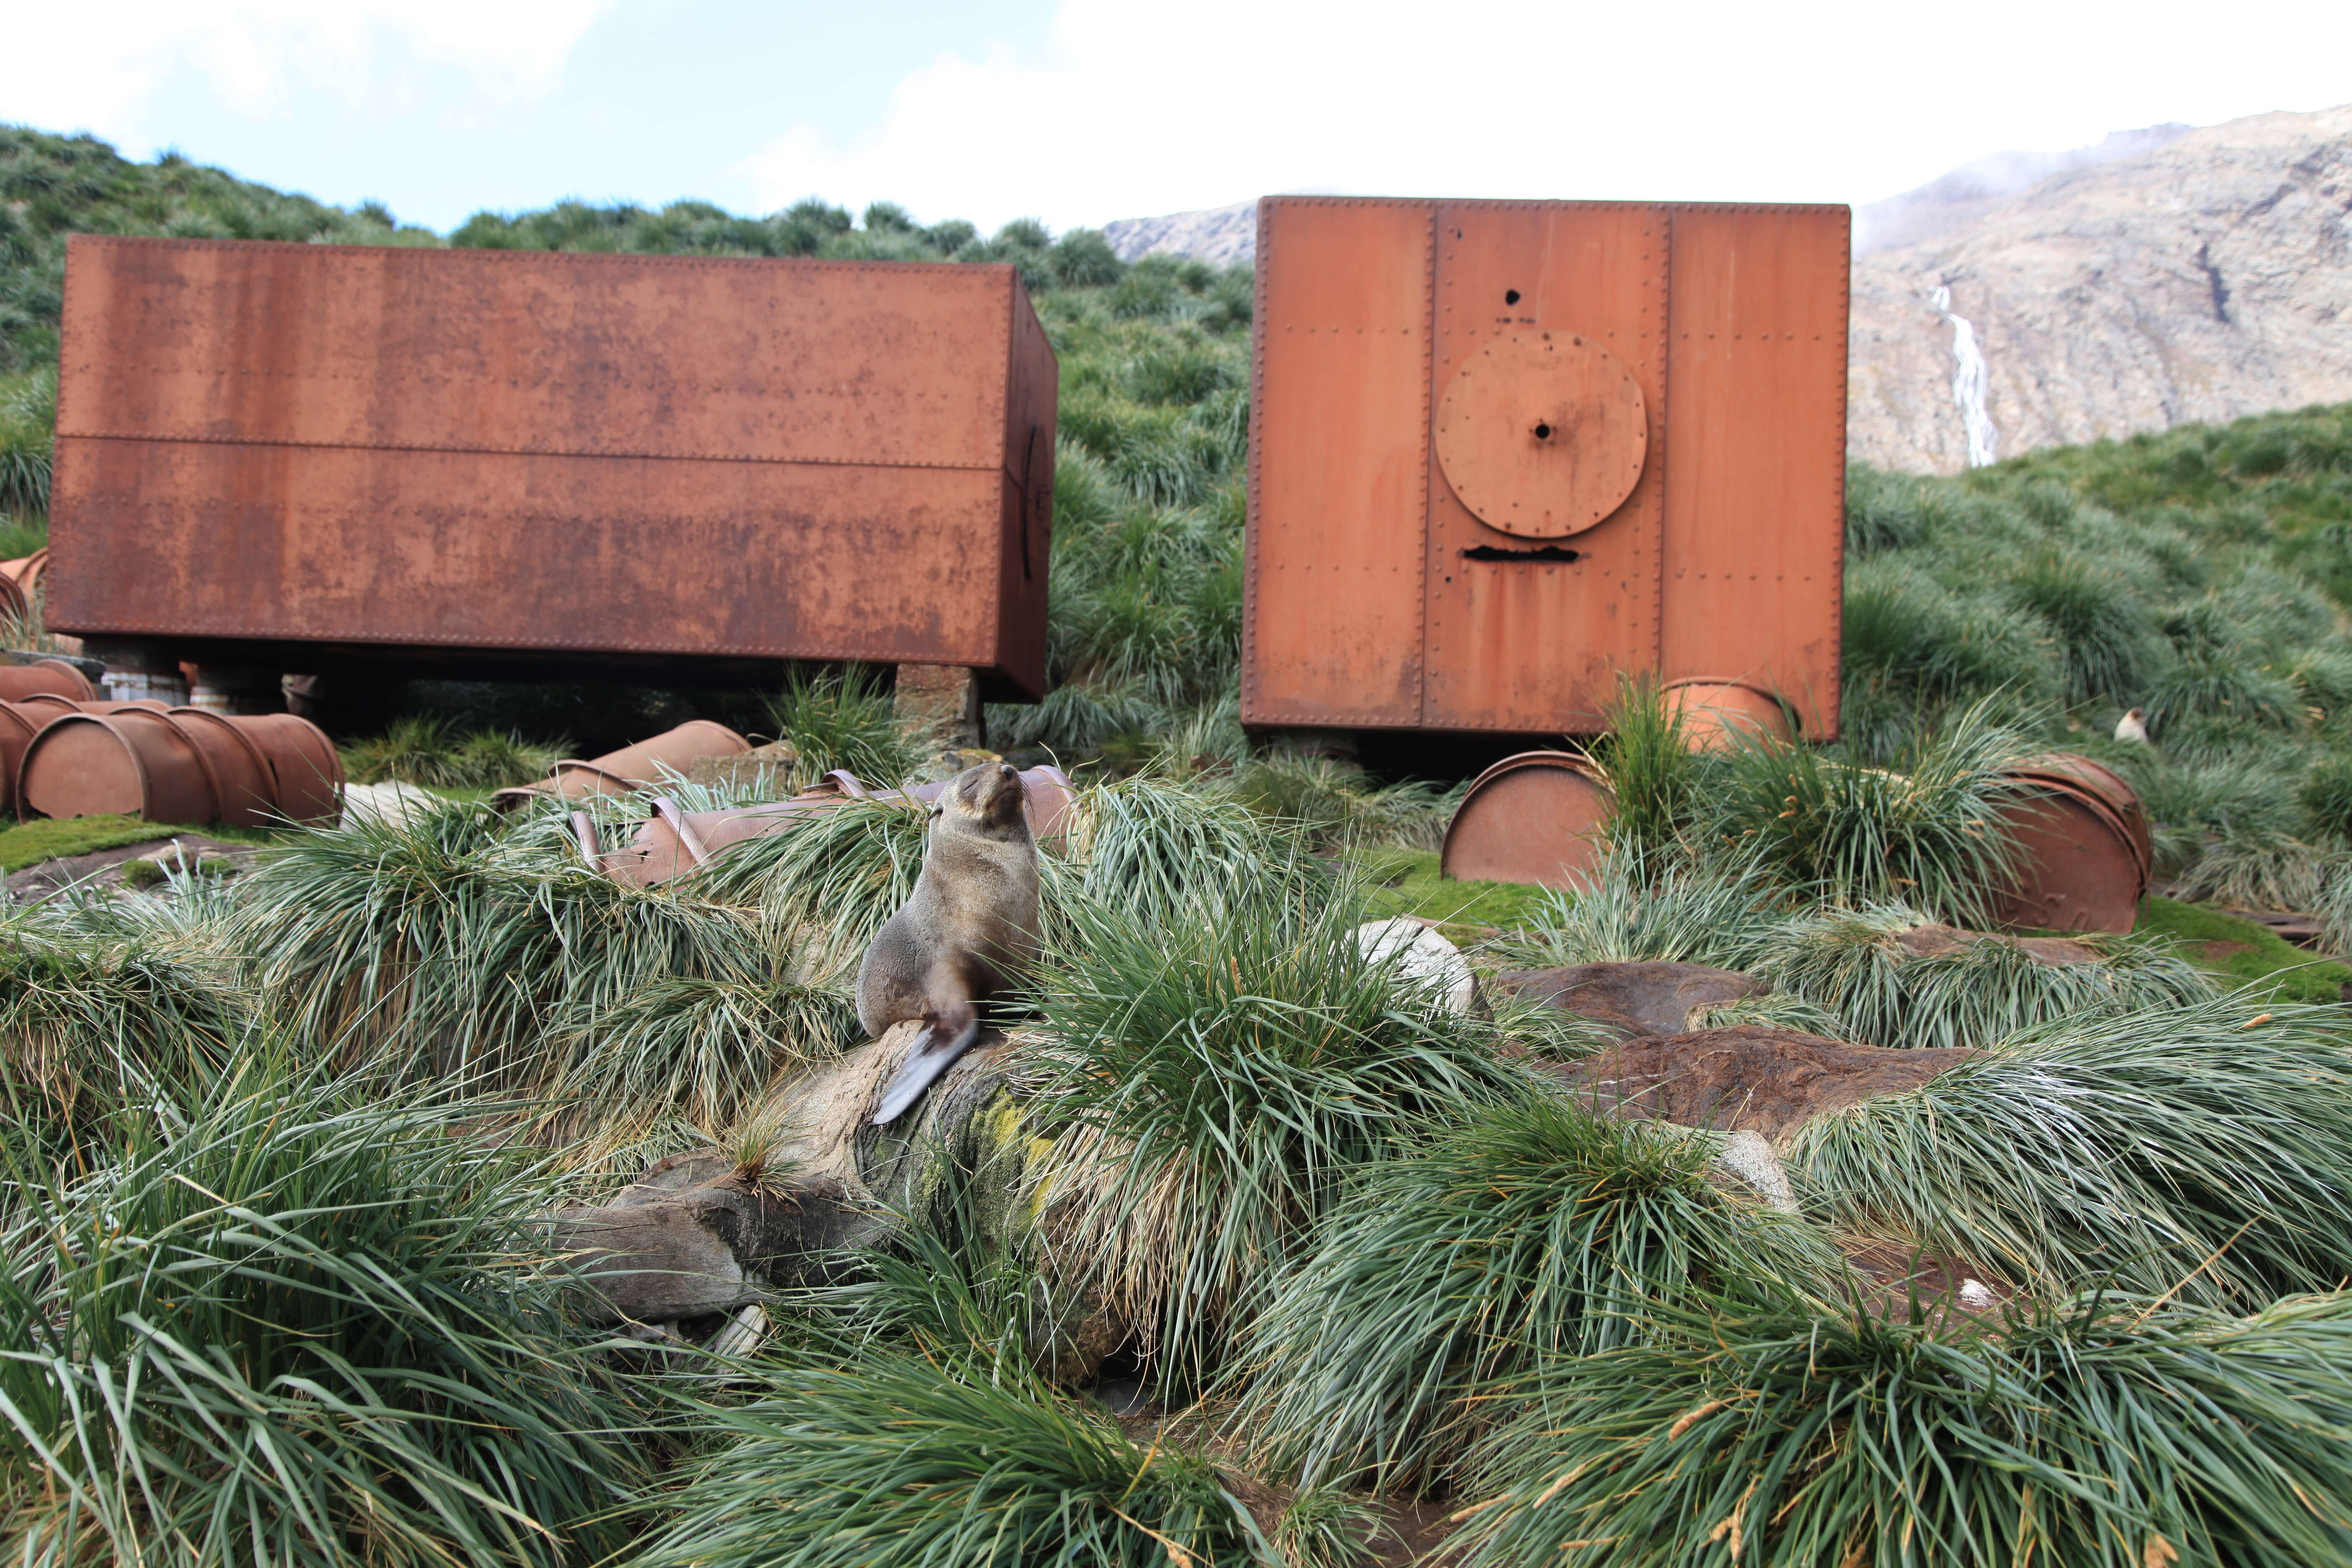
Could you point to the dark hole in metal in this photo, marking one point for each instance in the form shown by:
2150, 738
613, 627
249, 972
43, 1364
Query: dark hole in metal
1543, 432
1510, 296
1542, 552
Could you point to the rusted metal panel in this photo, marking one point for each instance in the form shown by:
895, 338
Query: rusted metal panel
1525, 642
1756, 469
687, 455
1331, 627
1543, 576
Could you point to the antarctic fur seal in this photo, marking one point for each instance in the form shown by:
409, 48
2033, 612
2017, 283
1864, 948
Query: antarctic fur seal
967, 934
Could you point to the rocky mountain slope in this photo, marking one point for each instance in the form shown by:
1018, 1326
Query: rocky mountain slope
2201, 280
1952, 201
1219, 236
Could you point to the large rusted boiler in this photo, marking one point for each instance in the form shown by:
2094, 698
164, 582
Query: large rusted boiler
294, 457
1503, 451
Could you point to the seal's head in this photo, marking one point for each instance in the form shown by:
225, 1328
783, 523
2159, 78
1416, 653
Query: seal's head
987, 797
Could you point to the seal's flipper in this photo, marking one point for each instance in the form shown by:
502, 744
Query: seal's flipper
930, 1056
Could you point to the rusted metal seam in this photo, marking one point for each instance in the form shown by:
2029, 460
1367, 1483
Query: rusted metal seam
506, 256
1261, 271
1836, 698
699, 851
1664, 350
629, 457
1428, 466
245, 634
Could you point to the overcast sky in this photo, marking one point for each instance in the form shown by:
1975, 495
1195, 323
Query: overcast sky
1084, 111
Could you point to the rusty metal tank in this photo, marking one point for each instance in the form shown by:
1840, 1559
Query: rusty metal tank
380, 460
1502, 452
1537, 817
2083, 849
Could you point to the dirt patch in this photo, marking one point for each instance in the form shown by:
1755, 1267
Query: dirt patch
1748, 1077
100, 868
2215, 951
1634, 998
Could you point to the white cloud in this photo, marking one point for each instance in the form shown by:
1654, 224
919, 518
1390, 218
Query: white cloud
103, 63
1133, 109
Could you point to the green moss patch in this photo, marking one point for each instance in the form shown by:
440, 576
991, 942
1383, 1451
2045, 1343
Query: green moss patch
2243, 950
53, 838
1409, 883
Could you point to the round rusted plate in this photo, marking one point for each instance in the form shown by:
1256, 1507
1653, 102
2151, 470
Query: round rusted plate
1712, 711
1533, 818
1542, 433
2077, 867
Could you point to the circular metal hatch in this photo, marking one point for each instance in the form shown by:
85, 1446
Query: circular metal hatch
1543, 432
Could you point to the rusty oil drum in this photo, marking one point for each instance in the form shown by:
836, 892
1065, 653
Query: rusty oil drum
305, 773
18, 728
132, 763
241, 771
1536, 816
49, 677
1713, 710
2083, 847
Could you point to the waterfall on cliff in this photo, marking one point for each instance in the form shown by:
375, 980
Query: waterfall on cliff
1968, 383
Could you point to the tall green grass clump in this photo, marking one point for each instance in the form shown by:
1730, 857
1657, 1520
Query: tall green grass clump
288, 1320
1531, 1230
2204, 1149
898, 1418
1647, 762
1213, 1080
1855, 964
845, 719
454, 945
420, 749
1926, 831
2099, 1434
92, 1018
1638, 909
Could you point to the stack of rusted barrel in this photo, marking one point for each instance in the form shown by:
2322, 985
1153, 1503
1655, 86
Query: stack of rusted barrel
64, 751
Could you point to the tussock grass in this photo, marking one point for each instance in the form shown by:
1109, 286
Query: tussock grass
1926, 831
1883, 993
845, 719
287, 1320
1640, 908
1212, 1082
420, 749
444, 947
2185, 1149
899, 1460
2099, 1434
92, 1018
898, 1418
1531, 1231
